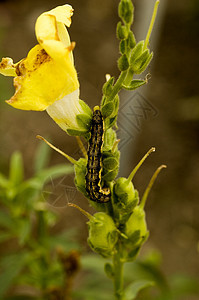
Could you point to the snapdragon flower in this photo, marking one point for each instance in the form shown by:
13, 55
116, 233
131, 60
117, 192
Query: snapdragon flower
46, 79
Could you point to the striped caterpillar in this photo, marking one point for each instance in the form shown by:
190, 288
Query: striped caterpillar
94, 166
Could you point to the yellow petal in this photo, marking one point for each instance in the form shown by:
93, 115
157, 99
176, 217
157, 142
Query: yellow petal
7, 68
62, 13
50, 27
41, 80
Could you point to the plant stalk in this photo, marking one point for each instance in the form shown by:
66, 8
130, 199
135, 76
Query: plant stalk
118, 85
118, 277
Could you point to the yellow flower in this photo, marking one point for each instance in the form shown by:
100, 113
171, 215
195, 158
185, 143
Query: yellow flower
46, 79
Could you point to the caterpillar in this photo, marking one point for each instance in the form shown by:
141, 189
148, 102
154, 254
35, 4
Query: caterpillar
94, 166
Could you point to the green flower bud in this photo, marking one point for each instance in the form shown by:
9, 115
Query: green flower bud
125, 198
125, 11
136, 228
131, 40
121, 31
109, 140
107, 109
136, 52
80, 173
123, 46
141, 63
102, 234
110, 164
108, 86
123, 63
140, 58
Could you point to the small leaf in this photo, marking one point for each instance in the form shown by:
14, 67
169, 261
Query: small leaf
12, 266
85, 108
54, 172
123, 63
16, 169
134, 288
24, 230
108, 268
75, 132
136, 83
123, 46
121, 31
5, 220
107, 109
107, 88
110, 163
136, 52
83, 121
3, 181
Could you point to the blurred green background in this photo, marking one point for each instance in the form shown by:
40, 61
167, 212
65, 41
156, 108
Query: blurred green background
173, 92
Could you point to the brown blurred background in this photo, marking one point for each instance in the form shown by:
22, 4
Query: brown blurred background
171, 122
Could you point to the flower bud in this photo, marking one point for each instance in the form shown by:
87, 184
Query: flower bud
140, 58
102, 234
123, 46
109, 140
125, 196
141, 63
108, 86
136, 228
110, 165
125, 11
80, 173
123, 63
121, 31
131, 40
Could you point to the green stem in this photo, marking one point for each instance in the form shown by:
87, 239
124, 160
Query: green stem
117, 87
129, 77
151, 24
118, 277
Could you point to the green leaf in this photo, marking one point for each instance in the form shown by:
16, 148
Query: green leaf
107, 88
123, 46
125, 11
107, 109
42, 157
137, 51
83, 121
36, 183
131, 40
121, 31
24, 229
75, 132
136, 83
3, 181
12, 266
54, 172
108, 268
145, 63
110, 163
86, 108
134, 288
5, 220
16, 169
123, 63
